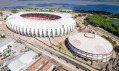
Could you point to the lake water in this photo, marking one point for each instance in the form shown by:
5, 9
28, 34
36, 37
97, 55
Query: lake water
115, 21
112, 7
99, 7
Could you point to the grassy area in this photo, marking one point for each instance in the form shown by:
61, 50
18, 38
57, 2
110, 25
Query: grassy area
104, 22
62, 47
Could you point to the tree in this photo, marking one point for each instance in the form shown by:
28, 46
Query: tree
79, 15
91, 62
106, 23
101, 69
86, 23
1, 13
83, 14
106, 68
86, 59
116, 49
60, 46
74, 54
5, 17
2, 36
14, 10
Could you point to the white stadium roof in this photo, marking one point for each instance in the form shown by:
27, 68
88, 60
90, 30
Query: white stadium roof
90, 43
22, 25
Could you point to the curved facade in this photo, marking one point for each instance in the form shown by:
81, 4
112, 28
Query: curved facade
40, 24
90, 46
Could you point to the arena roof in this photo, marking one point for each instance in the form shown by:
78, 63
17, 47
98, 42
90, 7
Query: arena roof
90, 43
20, 16
42, 25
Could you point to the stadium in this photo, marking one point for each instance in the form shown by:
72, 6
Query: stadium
91, 46
41, 24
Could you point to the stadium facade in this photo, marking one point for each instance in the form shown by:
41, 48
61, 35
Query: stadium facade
41, 24
91, 46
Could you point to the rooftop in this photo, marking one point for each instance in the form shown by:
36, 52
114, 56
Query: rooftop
17, 46
21, 61
6, 41
90, 43
46, 67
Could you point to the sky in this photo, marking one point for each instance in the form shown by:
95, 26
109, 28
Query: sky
54, 3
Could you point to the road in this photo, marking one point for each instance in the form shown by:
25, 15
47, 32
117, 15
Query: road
57, 54
78, 66
105, 33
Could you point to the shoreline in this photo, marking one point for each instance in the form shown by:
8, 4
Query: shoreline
73, 10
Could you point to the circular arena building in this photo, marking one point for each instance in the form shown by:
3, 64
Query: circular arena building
41, 24
91, 46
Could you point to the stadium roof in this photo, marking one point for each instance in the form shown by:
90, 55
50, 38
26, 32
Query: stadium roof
90, 43
35, 27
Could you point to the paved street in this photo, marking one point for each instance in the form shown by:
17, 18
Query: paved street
78, 66
105, 33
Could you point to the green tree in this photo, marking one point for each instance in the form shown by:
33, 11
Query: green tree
14, 10
86, 23
116, 49
99, 20
5, 18
2, 36
1, 13
60, 46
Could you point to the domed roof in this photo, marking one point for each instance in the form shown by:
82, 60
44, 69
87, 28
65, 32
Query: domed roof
90, 43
